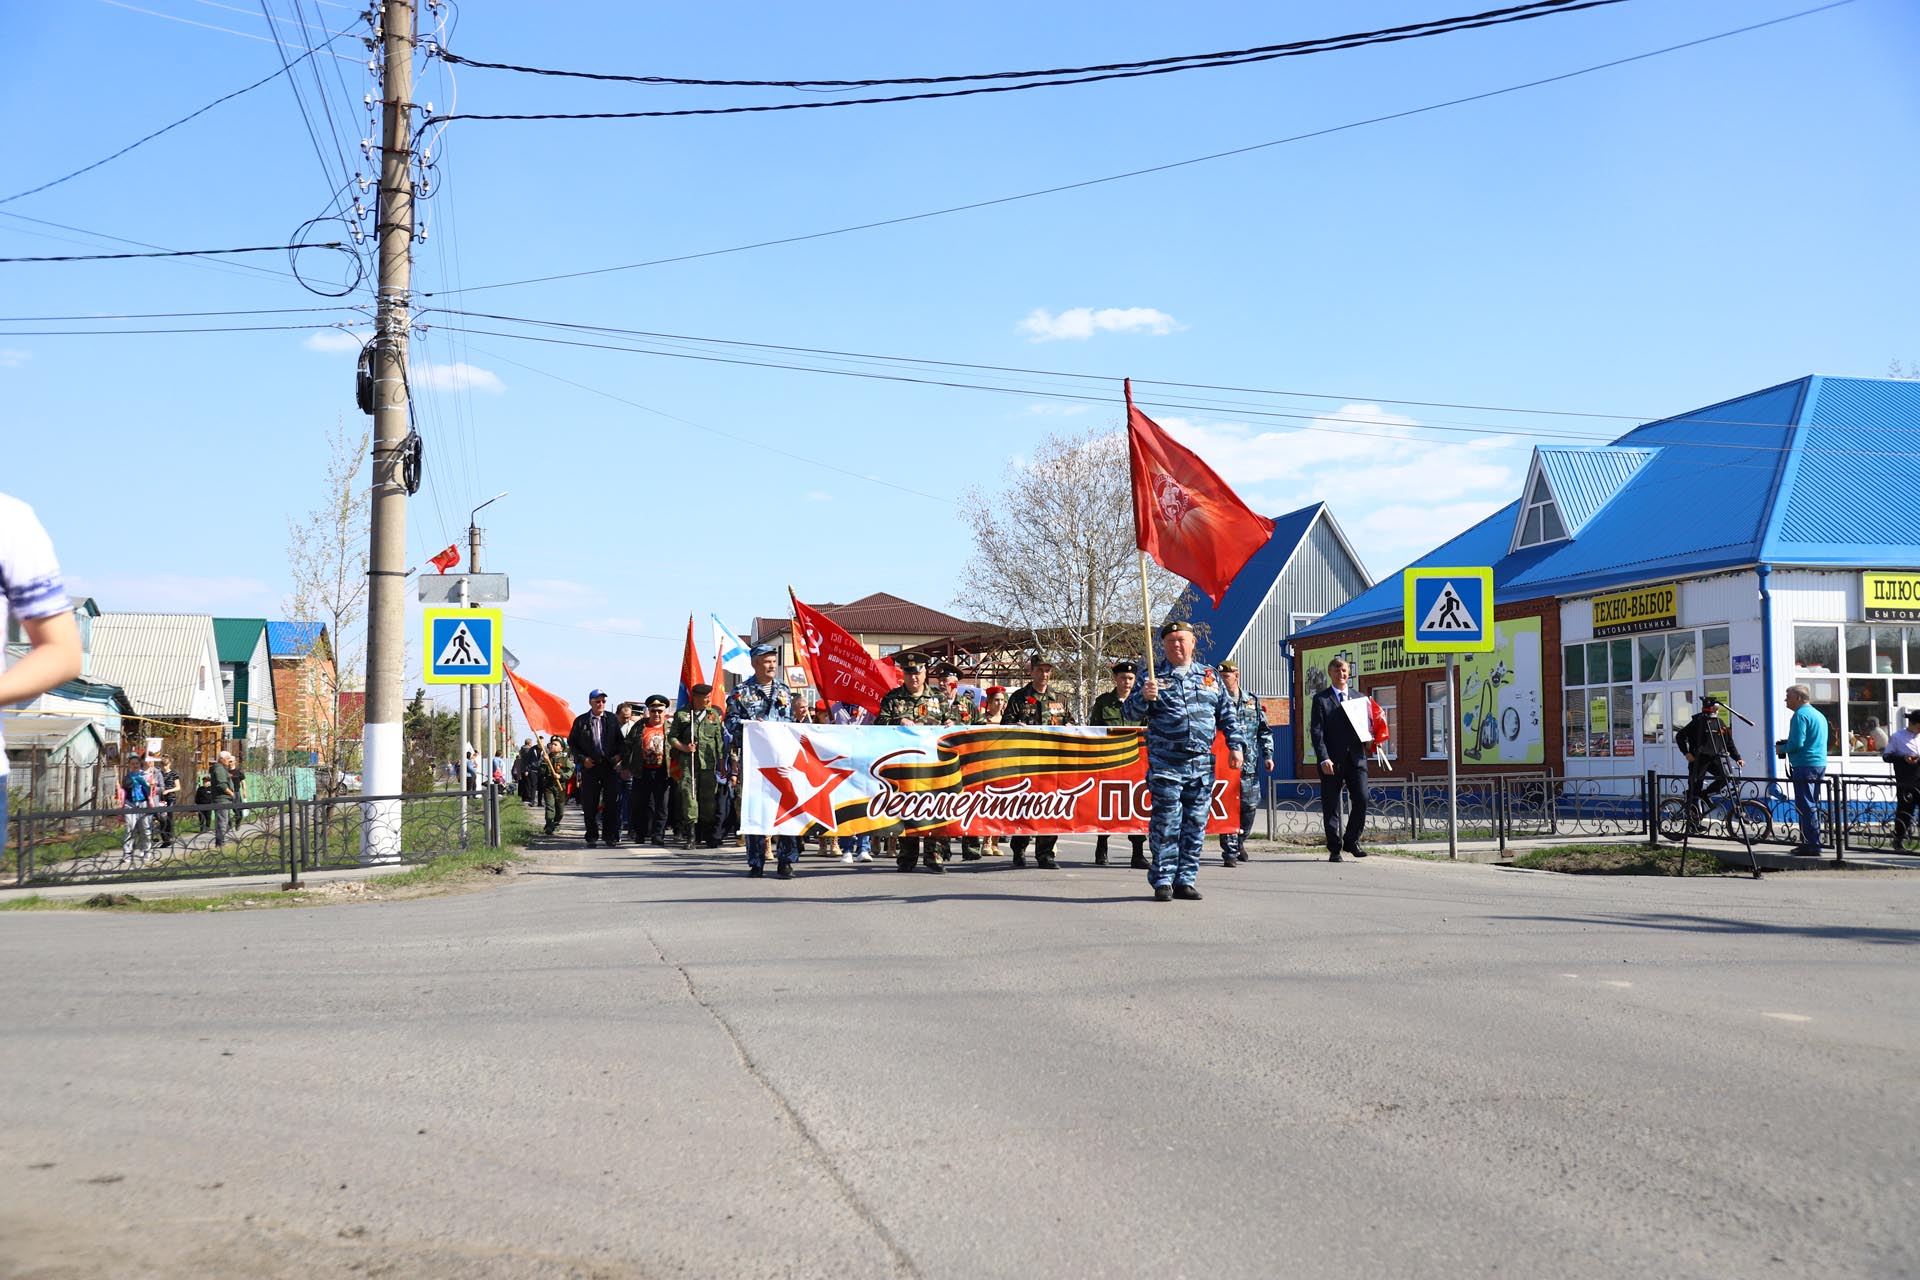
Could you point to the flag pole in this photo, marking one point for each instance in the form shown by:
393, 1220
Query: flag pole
1146, 612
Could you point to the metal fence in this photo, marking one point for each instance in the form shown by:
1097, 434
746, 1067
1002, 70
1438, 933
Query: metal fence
279, 837
1853, 813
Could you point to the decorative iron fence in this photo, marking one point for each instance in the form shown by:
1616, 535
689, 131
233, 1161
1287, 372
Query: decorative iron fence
280, 837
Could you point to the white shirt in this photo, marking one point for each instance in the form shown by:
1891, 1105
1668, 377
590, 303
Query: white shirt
1904, 743
29, 577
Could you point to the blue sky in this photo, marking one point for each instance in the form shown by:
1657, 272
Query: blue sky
1634, 242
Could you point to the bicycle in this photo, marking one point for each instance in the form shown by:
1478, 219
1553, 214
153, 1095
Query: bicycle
1739, 817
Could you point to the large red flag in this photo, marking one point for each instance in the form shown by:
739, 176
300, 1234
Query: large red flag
1184, 515
546, 712
842, 668
446, 559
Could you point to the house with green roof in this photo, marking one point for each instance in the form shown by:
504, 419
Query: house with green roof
246, 683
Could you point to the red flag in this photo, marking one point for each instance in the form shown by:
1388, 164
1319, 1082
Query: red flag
446, 559
1184, 515
690, 670
842, 668
546, 712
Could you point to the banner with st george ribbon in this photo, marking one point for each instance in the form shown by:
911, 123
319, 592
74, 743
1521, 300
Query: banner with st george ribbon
978, 780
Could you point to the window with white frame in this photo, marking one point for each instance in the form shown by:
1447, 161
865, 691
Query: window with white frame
1437, 720
1387, 697
1540, 522
1858, 673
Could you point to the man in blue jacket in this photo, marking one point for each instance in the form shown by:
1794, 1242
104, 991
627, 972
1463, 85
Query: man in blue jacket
1805, 748
1183, 705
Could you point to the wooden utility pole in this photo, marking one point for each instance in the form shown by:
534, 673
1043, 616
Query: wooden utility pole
386, 595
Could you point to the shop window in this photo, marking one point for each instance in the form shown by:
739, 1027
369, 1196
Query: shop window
1681, 664
1437, 720
1573, 671
1859, 649
1889, 653
1600, 741
1622, 721
1869, 710
1653, 659
1826, 700
1575, 717
1816, 648
1653, 718
1388, 699
1597, 663
1716, 652
1623, 660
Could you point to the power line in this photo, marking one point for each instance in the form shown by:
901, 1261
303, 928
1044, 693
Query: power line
228, 267
164, 128
171, 315
181, 253
1331, 44
114, 333
208, 26
1158, 168
1225, 57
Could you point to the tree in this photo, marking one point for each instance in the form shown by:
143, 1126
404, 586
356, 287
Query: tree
432, 734
1054, 558
327, 558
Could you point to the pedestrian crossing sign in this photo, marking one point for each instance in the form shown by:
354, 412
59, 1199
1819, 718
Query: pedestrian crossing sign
462, 646
1449, 610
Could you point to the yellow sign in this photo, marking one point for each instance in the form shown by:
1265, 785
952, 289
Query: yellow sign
1886, 596
1641, 609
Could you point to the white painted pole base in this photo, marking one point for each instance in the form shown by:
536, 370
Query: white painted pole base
381, 772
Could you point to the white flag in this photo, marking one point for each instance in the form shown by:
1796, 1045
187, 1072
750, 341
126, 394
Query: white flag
733, 654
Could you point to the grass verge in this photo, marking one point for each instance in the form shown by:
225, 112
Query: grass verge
444, 873
1622, 860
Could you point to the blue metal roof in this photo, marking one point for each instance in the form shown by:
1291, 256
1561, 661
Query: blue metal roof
293, 639
1802, 473
1250, 587
1584, 480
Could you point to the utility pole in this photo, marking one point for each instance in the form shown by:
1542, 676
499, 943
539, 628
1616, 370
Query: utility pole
474, 692
386, 598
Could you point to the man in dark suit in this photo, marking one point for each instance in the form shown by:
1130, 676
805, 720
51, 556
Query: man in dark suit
1342, 753
596, 744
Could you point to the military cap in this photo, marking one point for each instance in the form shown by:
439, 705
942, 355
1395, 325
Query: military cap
1709, 701
909, 662
699, 689
656, 699
1038, 659
1168, 628
1228, 665
764, 650
1124, 668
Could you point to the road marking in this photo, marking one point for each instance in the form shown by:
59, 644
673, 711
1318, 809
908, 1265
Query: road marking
1614, 982
1570, 975
1790, 1017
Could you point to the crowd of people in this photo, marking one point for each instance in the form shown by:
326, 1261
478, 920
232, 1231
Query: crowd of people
646, 777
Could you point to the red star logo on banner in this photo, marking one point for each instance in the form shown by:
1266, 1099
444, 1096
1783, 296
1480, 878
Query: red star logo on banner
819, 774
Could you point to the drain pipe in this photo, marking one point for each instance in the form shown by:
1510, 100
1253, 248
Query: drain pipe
1762, 571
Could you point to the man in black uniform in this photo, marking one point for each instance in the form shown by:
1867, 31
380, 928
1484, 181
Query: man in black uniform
1107, 712
1707, 743
596, 743
1035, 702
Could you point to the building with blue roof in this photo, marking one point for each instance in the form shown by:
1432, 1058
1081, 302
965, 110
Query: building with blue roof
1734, 550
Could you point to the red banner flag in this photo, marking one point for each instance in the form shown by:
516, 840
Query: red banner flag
546, 712
1184, 515
446, 559
843, 670
691, 673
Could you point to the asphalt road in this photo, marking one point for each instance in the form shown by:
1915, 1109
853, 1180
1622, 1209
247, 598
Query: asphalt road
628, 1064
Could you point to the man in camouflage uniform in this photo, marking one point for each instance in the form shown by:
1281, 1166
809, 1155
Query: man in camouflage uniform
556, 767
697, 740
1184, 706
912, 702
960, 711
1036, 702
1108, 714
1256, 748
763, 698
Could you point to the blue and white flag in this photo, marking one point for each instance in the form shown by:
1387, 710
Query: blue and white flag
733, 654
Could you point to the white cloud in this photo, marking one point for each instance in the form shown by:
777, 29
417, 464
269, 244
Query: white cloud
333, 341
1397, 491
819, 495
13, 357
1080, 323
459, 376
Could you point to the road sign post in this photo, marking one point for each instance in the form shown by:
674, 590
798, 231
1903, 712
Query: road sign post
1450, 611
